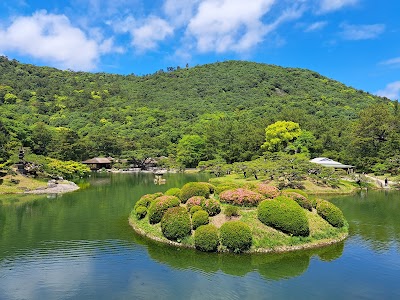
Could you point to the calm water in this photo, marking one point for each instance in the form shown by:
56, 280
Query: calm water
80, 246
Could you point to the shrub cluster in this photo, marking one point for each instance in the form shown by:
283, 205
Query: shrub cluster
145, 200
173, 192
231, 210
224, 187
206, 238
267, 191
195, 208
140, 212
284, 214
236, 236
175, 223
195, 200
191, 189
211, 206
199, 218
331, 213
303, 201
241, 197
159, 206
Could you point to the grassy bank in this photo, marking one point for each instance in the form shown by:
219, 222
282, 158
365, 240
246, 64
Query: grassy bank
17, 184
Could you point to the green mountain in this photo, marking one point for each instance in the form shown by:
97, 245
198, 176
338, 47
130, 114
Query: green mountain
221, 108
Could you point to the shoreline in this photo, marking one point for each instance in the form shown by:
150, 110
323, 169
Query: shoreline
55, 188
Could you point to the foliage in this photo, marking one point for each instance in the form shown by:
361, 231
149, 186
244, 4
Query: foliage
284, 214
191, 150
211, 206
175, 223
242, 197
194, 201
140, 211
173, 192
301, 200
206, 238
279, 135
331, 213
146, 200
195, 208
191, 189
236, 236
158, 207
231, 210
199, 218
268, 191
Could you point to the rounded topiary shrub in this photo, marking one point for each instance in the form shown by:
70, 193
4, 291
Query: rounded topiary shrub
145, 200
199, 218
212, 206
173, 192
284, 214
206, 238
225, 186
195, 208
231, 211
331, 213
140, 212
175, 223
241, 197
303, 201
195, 200
191, 189
267, 191
159, 206
236, 236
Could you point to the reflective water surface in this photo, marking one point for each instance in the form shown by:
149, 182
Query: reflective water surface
80, 246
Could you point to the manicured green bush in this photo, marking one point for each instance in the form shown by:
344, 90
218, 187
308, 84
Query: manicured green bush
175, 223
331, 213
173, 192
195, 200
236, 236
284, 214
195, 208
199, 218
303, 201
212, 206
159, 206
231, 210
224, 187
268, 191
145, 200
206, 238
242, 197
191, 189
140, 212
301, 192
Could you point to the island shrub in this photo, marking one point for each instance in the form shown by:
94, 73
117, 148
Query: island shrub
236, 236
199, 218
242, 197
173, 192
284, 214
331, 213
145, 200
268, 191
140, 212
175, 223
195, 208
191, 189
159, 206
206, 238
195, 200
231, 211
211, 206
303, 201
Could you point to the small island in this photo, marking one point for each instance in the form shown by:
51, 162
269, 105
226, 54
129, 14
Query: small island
250, 217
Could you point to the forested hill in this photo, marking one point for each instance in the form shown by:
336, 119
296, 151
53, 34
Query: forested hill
224, 107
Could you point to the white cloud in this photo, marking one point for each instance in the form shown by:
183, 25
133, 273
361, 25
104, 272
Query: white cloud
315, 26
180, 12
53, 39
361, 32
333, 5
234, 25
391, 91
394, 62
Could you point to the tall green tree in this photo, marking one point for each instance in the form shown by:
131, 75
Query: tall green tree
279, 135
191, 150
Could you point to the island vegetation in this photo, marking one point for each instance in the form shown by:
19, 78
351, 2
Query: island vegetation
238, 217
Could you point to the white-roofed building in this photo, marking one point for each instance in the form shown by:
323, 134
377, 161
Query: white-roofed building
330, 163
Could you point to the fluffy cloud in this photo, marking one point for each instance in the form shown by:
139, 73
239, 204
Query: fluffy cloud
361, 32
332, 5
391, 91
180, 11
53, 39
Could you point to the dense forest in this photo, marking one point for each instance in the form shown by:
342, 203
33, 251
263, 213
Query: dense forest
217, 111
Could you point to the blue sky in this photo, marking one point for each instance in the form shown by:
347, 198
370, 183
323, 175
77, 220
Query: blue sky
354, 41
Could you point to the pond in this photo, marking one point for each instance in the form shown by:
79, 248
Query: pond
80, 246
